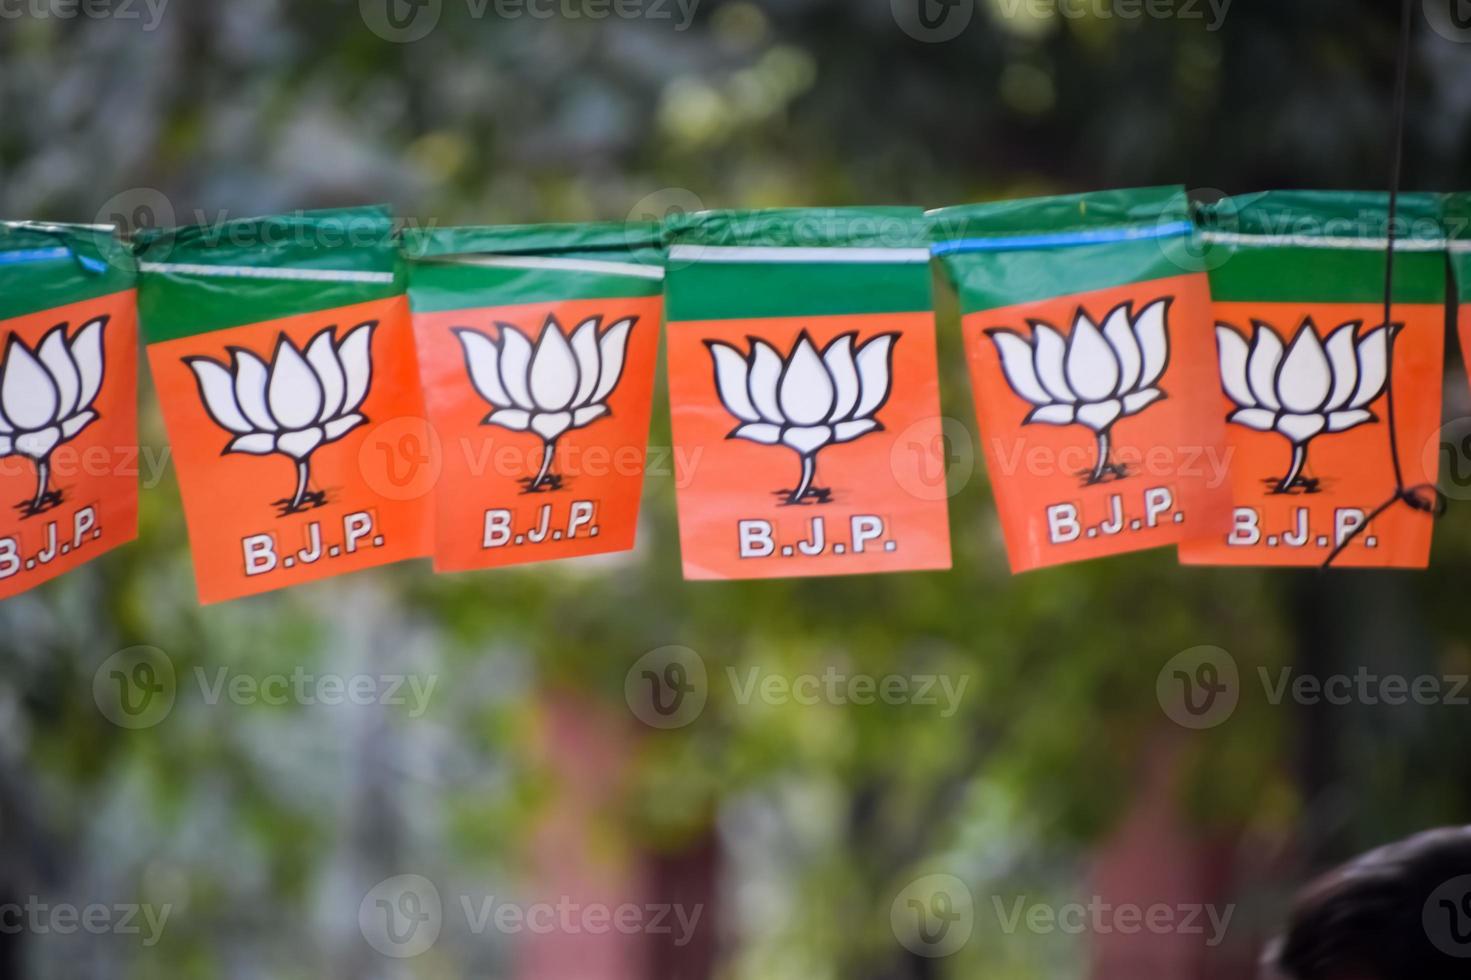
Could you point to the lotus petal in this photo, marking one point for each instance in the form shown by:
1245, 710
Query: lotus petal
355, 354
515, 419
1048, 358
846, 431
1233, 352
1054, 414
27, 392
1092, 369
1373, 352
57, 360
587, 413
1339, 421
730, 381
585, 349
250, 390
322, 356
553, 369
1259, 419
1261, 366
482, 358
1100, 415
837, 357
1300, 427
1137, 401
255, 443
762, 432
1152, 330
807, 439
70, 427
549, 425
1344, 364
806, 391
762, 380
38, 444
86, 351
337, 428
299, 444
1305, 378
1120, 336
611, 348
874, 363
217, 391
516, 356
294, 393
1016, 364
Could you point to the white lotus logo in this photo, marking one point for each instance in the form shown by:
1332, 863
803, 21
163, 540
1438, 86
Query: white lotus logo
805, 401
1305, 388
46, 396
549, 388
295, 405
1094, 377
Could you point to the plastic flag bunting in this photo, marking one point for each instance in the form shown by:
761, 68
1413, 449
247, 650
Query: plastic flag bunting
68, 400
283, 356
803, 380
537, 348
1086, 325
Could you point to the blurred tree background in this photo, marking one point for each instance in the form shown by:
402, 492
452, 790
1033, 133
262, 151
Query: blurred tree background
794, 827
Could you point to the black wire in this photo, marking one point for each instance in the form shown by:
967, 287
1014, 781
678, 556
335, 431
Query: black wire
1402, 494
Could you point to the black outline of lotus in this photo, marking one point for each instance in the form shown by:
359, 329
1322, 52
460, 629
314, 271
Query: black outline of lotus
1059, 378
772, 414
556, 384
342, 377
66, 376
1342, 404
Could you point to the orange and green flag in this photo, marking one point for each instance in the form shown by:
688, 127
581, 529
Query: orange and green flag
1327, 405
283, 356
68, 400
1086, 323
537, 347
804, 391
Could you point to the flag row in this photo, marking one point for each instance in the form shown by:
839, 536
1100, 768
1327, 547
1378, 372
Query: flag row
1255, 381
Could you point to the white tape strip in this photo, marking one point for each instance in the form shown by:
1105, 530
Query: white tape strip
765, 253
266, 272
633, 269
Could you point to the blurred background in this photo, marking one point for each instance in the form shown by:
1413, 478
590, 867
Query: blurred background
504, 808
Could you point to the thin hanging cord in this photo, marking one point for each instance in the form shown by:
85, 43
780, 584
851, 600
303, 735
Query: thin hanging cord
1402, 494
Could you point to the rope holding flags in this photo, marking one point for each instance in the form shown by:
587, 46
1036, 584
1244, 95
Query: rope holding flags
1219, 378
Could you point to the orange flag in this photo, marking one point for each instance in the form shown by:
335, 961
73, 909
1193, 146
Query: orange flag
537, 348
1090, 351
68, 401
804, 391
284, 364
